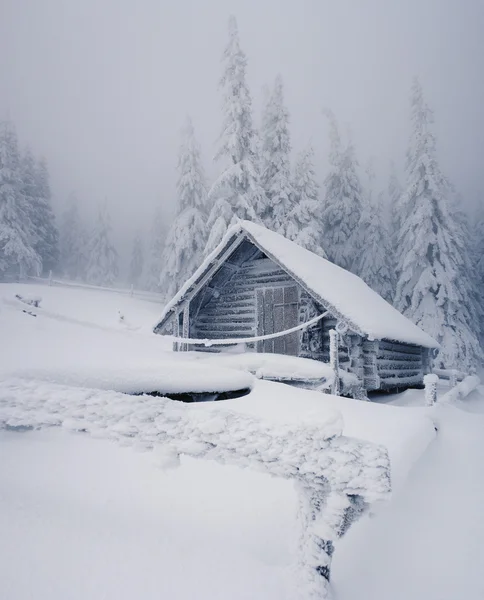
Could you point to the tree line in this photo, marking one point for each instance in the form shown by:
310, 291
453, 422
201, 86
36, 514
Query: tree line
424, 257
422, 254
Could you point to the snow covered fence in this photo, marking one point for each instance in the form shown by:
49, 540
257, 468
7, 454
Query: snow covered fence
462, 389
453, 375
154, 296
337, 477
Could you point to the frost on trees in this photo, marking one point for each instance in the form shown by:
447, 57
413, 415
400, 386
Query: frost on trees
477, 257
375, 264
337, 478
136, 264
237, 193
155, 252
48, 244
342, 203
73, 242
275, 161
395, 193
36, 189
304, 223
187, 236
102, 265
17, 234
432, 287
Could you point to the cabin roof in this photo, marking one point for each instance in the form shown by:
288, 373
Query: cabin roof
342, 293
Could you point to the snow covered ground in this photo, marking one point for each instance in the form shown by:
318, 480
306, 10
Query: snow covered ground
85, 518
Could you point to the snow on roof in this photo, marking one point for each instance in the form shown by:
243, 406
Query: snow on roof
344, 294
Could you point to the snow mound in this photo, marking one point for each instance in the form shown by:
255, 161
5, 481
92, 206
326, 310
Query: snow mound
167, 378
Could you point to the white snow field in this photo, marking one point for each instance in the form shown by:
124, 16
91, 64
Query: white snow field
85, 518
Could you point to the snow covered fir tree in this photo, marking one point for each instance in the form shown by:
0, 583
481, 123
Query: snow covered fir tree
237, 192
432, 286
275, 161
73, 242
45, 222
157, 239
102, 261
136, 265
187, 236
342, 202
304, 222
18, 235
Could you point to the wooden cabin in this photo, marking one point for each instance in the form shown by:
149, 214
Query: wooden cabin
257, 282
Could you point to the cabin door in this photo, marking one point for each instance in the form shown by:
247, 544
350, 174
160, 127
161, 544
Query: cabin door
277, 310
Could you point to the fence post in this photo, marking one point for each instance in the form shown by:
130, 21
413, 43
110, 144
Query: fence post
50, 277
334, 360
453, 378
430, 382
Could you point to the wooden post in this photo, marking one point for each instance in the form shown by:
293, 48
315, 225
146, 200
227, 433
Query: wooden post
430, 382
50, 277
453, 378
186, 326
334, 360
176, 330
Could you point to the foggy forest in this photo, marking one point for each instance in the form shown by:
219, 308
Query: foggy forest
244, 241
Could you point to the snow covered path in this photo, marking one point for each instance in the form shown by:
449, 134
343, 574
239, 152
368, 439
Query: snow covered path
428, 543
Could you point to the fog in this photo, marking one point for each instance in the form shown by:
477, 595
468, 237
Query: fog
102, 87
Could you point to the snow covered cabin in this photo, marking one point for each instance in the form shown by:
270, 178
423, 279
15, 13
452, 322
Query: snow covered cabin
257, 282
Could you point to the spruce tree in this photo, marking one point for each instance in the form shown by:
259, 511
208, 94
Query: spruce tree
237, 193
102, 264
17, 235
342, 203
375, 264
304, 223
136, 265
187, 236
432, 289
155, 252
73, 242
275, 160
477, 258
395, 194
47, 232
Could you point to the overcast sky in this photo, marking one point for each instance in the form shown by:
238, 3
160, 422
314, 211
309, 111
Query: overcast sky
102, 87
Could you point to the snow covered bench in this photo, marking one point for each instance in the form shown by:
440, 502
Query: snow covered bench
337, 477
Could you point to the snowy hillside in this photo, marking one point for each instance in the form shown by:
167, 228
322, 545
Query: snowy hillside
85, 518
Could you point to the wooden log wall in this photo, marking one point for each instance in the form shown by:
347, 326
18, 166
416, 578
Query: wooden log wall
232, 311
399, 365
